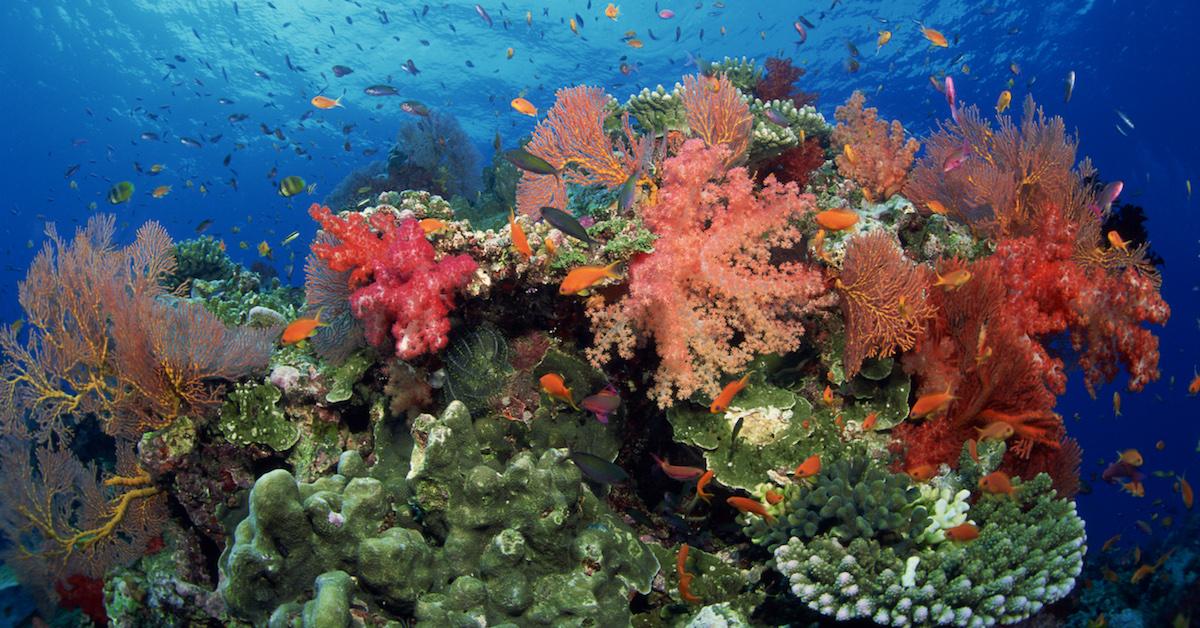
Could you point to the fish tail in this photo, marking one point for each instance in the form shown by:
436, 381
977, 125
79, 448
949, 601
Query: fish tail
608, 270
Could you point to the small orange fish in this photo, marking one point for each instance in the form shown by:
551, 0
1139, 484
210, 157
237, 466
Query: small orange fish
930, 404
685, 578
935, 37
996, 430
508, 54
524, 106
1108, 545
869, 423
721, 403
1117, 242
1131, 457
161, 191
1116, 403
551, 247
818, 245
574, 26
634, 43
1185, 491
745, 504
1160, 445
772, 497
553, 385
1135, 489
584, 277
922, 473
1003, 101
997, 483
1109, 574
827, 396
432, 225
1140, 574
810, 467
963, 532
884, 37
953, 280
702, 483
973, 449
936, 207
519, 241
848, 151
611, 11
1194, 386
677, 472
322, 102
301, 329
837, 219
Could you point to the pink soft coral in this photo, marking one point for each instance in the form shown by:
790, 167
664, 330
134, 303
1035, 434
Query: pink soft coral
408, 293
720, 286
878, 158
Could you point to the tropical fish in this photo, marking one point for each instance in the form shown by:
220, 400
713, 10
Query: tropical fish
884, 37
161, 191
963, 532
936, 207
932, 403
827, 396
1131, 457
341, 70
997, 483
935, 37
508, 54
721, 403
685, 578
1116, 403
264, 249
868, 423
776, 117
1109, 194
517, 234
634, 43
120, 193
432, 225
483, 14
837, 219
1194, 386
553, 385
747, 505
996, 430
810, 467
677, 472
574, 26
1003, 101
529, 162
603, 403
381, 90
1108, 545
291, 237
597, 469
323, 102
1069, 86
566, 223
666, 14
1185, 491
702, 483
612, 12
956, 158
584, 277
523, 106
301, 329
204, 225
848, 151
291, 186
953, 280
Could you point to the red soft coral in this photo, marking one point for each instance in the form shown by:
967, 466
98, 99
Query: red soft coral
721, 285
779, 83
874, 153
795, 164
409, 294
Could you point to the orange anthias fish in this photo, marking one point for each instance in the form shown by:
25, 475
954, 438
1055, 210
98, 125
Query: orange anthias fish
827, 396
1141, 573
611, 11
702, 483
869, 423
323, 102
519, 241
1117, 242
677, 472
1134, 488
751, 506
997, 483
772, 497
432, 225
685, 578
930, 404
634, 43
584, 277
996, 430
1131, 457
848, 151
922, 473
936, 207
553, 385
1116, 403
721, 403
963, 532
1108, 545
935, 37
884, 37
524, 106
574, 26
1194, 386
837, 219
954, 279
1185, 491
161, 191
810, 467
301, 329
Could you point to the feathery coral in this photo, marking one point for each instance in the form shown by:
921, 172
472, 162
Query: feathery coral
327, 294
713, 294
878, 159
717, 114
883, 299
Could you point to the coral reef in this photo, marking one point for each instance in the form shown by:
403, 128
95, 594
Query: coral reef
872, 153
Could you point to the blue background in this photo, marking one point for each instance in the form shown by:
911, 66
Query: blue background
81, 79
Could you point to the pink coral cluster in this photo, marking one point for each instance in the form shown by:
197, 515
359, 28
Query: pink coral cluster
720, 286
873, 153
408, 293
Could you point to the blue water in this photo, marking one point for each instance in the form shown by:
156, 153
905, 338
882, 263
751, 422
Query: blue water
83, 80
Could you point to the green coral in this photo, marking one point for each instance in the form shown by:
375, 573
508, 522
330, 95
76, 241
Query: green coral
480, 539
769, 138
658, 110
743, 72
1029, 551
947, 508
250, 416
344, 376
231, 299
200, 258
850, 499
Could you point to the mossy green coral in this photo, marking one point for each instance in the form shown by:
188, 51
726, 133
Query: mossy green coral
250, 417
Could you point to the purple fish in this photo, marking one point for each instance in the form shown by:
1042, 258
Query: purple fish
800, 30
666, 14
775, 116
484, 14
956, 157
602, 403
1110, 194
1121, 469
341, 70
951, 95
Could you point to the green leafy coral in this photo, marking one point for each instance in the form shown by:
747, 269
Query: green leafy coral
250, 416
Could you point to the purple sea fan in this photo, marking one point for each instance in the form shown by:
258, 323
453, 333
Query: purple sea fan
327, 292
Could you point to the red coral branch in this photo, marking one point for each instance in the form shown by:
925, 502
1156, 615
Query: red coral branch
779, 83
878, 159
795, 164
717, 114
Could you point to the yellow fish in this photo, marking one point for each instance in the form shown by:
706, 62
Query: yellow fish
1003, 101
509, 53
611, 11
264, 249
574, 26
161, 191
884, 37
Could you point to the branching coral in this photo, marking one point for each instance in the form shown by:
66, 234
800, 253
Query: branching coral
795, 164
714, 293
883, 299
871, 152
410, 292
572, 138
780, 83
718, 114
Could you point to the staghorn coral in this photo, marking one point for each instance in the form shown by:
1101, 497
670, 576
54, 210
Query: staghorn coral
742, 72
883, 299
711, 278
878, 157
657, 110
717, 114
410, 292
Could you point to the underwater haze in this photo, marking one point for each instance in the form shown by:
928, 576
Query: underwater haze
351, 312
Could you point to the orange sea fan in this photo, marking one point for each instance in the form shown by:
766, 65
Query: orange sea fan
883, 299
717, 113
